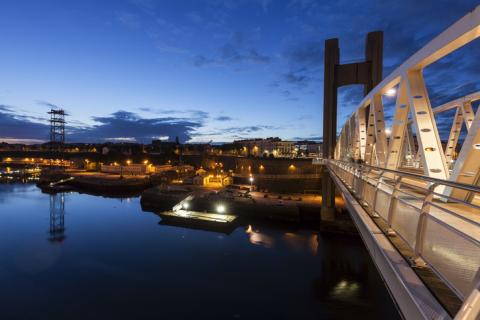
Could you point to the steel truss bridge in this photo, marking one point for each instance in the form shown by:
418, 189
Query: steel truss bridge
415, 201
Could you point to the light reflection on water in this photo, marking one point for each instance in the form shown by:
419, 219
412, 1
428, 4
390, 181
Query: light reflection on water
78, 256
258, 238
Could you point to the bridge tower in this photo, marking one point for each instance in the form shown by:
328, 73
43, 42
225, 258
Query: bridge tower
367, 73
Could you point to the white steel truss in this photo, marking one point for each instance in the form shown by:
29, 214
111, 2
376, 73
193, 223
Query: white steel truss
450, 172
364, 137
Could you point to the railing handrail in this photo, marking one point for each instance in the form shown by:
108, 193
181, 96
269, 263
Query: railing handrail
448, 183
349, 174
273, 176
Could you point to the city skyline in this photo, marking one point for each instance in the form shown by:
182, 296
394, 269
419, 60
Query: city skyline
220, 70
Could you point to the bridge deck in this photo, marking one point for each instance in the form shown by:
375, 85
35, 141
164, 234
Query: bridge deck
390, 255
438, 236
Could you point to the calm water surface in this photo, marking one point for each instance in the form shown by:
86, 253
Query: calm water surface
114, 261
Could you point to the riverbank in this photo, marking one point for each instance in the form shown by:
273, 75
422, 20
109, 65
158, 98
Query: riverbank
286, 208
94, 182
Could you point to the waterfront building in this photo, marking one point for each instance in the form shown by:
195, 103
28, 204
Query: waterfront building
130, 169
269, 147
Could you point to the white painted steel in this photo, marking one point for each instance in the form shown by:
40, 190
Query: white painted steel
384, 151
444, 232
436, 214
414, 299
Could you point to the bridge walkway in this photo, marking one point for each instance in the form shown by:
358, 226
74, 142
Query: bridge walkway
438, 236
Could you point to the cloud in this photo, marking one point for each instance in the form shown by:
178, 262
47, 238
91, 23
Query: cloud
147, 6
304, 61
405, 32
239, 49
14, 126
129, 19
235, 4
306, 54
5, 108
164, 35
201, 60
116, 126
119, 126
315, 138
297, 79
47, 104
197, 114
195, 17
235, 133
223, 118
246, 129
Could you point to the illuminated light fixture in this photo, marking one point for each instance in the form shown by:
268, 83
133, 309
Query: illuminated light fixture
145, 162
220, 208
185, 205
250, 179
388, 131
391, 92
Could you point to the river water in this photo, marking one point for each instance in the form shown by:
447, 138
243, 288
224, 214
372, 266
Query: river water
77, 256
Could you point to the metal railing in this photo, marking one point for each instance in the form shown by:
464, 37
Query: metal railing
442, 231
280, 176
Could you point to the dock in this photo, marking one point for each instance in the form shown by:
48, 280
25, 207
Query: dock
224, 223
199, 216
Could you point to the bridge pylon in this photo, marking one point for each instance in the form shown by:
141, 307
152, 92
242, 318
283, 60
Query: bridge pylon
367, 73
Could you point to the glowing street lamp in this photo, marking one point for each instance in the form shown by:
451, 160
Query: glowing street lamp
128, 162
220, 208
391, 92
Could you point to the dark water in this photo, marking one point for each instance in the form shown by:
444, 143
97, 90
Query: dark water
114, 261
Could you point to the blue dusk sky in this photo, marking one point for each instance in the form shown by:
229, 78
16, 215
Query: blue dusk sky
136, 70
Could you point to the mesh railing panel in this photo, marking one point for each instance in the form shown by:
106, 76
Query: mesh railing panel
369, 194
405, 221
452, 254
382, 204
358, 185
445, 244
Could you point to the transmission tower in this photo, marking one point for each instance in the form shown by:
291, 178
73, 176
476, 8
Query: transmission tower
57, 126
57, 217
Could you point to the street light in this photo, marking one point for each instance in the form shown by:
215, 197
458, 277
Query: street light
391, 92
251, 182
220, 208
